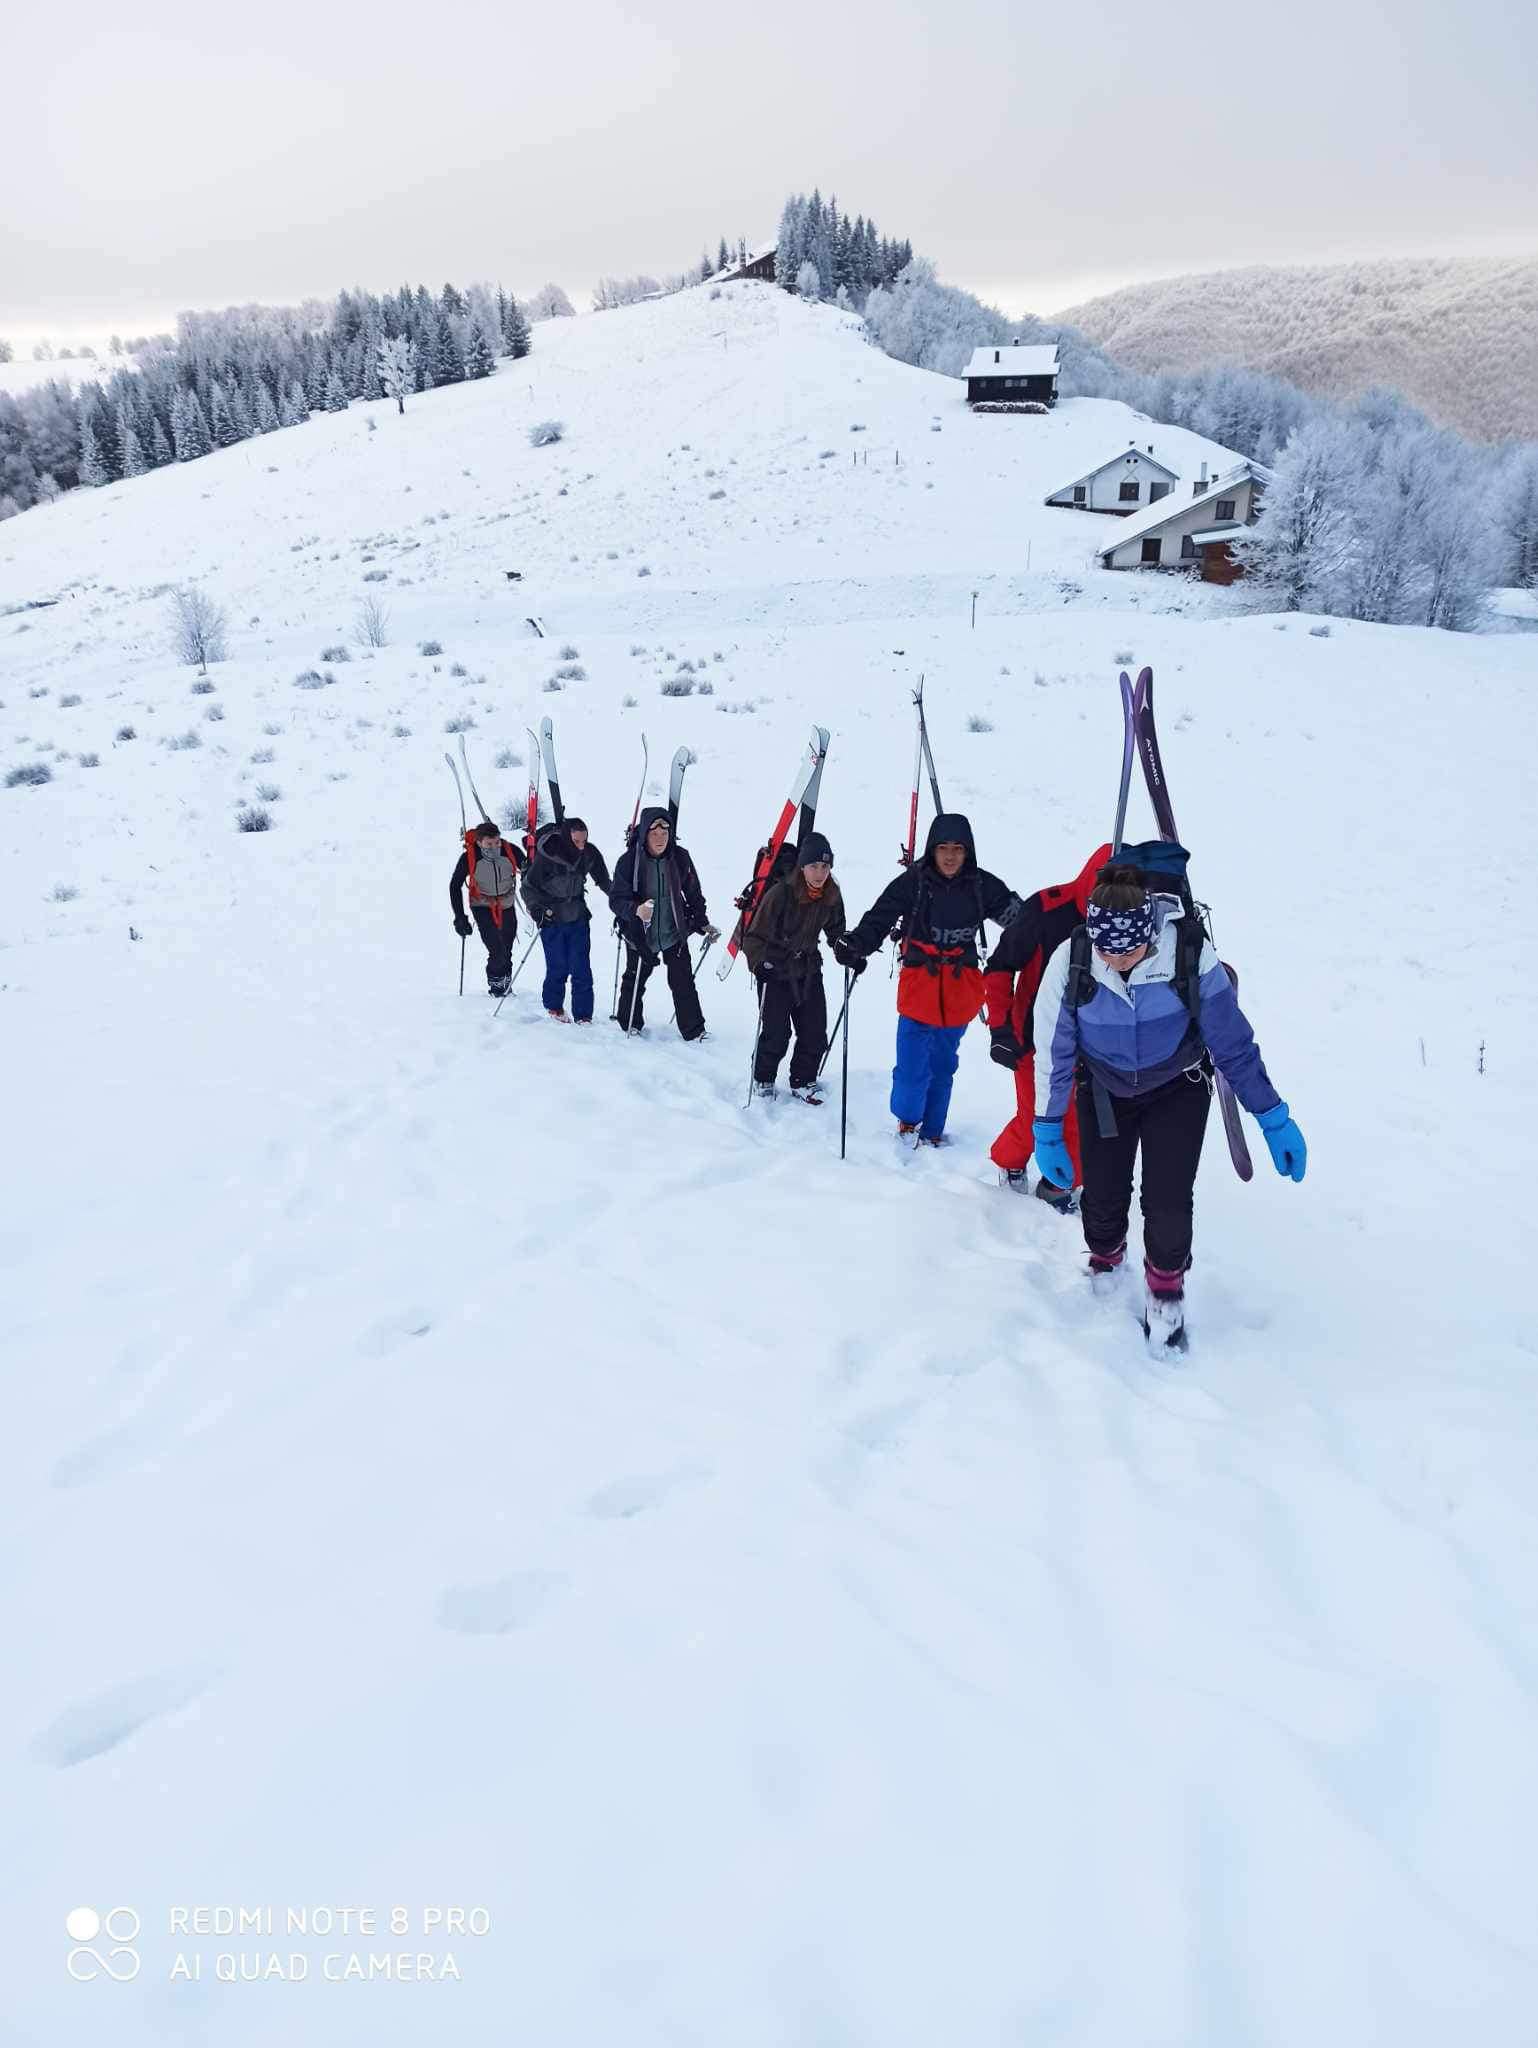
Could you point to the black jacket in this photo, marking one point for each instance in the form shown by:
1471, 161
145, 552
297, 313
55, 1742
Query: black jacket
554, 885
461, 874
632, 886
932, 914
782, 938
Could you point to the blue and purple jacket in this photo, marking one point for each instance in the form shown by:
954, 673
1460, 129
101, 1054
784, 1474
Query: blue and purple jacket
1134, 1034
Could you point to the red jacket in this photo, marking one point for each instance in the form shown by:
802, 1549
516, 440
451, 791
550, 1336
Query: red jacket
1029, 940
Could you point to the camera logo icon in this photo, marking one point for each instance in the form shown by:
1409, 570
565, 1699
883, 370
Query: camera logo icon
117, 1929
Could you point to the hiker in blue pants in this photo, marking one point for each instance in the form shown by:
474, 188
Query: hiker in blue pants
554, 890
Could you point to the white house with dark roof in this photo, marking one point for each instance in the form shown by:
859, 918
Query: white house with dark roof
1192, 532
1014, 377
1125, 483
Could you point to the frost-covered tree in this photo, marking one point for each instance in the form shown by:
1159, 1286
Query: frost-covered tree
395, 372
266, 411
295, 409
160, 447
7, 353
808, 282
931, 325
336, 393
130, 449
1456, 549
1388, 492
790, 249
551, 303
723, 255
1517, 517
92, 469
189, 428
1298, 550
480, 353
199, 627
221, 422
515, 331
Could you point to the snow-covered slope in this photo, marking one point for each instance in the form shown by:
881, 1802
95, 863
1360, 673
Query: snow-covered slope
1457, 335
456, 1462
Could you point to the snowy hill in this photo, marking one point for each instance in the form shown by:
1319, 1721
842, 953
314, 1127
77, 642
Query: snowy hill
1457, 335
465, 1462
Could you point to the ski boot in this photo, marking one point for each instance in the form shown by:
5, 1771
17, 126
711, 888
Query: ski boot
1016, 1177
556, 1016
810, 1093
766, 1091
499, 989
1063, 1200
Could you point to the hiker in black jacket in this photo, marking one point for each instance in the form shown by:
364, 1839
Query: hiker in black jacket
937, 906
658, 902
554, 890
781, 944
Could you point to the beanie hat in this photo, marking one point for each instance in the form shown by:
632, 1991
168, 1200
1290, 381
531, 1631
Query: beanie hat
813, 847
1120, 931
575, 824
487, 830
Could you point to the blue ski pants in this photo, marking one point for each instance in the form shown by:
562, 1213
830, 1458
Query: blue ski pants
927, 1057
569, 957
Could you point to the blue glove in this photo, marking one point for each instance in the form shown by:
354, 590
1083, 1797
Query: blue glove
1289, 1154
1051, 1152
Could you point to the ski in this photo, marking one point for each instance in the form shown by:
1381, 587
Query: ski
1131, 705
531, 811
681, 760
547, 750
808, 818
465, 758
748, 901
640, 790
464, 822
923, 759
1164, 816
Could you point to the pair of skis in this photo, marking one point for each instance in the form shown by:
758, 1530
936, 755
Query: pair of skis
923, 759
802, 796
1140, 738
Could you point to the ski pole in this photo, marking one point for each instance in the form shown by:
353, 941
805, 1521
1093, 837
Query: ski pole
528, 949
695, 975
843, 1094
461, 967
827, 1051
758, 1032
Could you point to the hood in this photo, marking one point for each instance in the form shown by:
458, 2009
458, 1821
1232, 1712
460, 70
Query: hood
654, 814
951, 825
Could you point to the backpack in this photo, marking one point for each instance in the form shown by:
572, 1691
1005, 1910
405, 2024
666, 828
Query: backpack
1161, 863
753, 892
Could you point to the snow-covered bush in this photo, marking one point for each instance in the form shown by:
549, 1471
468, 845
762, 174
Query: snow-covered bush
457, 668
627, 703
430, 647
89, 760
253, 818
64, 892
464, 723
183, 743
545, 433
979, 724
678, 686
263, 755
337, 653
199, 627
706, 687
371, 622
400, 732
269, 792
572, 672
69, 702
309, 679
214, 714
202, 687
509, 757
31, 776
125, 732
553, 684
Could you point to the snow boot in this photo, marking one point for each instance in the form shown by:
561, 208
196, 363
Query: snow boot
556, 1016
1063, 1200
499, 988
907, 1130
809, 1093
765, 1091
1105, 1269
1016, 1177
1164, 1322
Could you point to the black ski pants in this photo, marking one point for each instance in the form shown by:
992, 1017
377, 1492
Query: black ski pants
787, 1005
1168, 1125
638, 971
499, 944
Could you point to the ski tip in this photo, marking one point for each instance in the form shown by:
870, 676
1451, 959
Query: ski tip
1145, 679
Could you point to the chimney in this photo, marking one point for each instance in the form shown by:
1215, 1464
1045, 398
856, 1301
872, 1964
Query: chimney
995, 355
1201, 483
1150, 447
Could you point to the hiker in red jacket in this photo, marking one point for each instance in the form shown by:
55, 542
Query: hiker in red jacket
1009, 988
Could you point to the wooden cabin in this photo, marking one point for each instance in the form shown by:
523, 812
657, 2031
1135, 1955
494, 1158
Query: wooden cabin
1020, 377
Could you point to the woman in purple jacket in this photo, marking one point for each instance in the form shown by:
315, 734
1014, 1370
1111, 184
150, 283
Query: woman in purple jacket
1113, 1024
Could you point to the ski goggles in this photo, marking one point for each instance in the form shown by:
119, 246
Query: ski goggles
1120, 931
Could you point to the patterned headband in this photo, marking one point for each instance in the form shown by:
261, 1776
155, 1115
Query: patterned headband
1120, 931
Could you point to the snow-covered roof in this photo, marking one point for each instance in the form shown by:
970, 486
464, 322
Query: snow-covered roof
1024, 359
1167, 510
755, 254
1217, 533
1144, 457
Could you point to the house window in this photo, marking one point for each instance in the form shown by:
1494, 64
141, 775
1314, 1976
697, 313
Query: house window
1187, 547
1224, 508
1157, 491
1153, 551
1078, 494
1130, 492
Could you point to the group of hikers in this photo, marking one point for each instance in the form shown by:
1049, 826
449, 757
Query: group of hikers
1103, 996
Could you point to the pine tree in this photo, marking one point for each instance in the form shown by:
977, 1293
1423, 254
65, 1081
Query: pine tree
224, 432
451, 302
240, 411
130, 450
295, 409
421, 368
91, 469
160, 447
336, 393
448, 363
516, 330
480, 356
266, 411
723, 256
189, 428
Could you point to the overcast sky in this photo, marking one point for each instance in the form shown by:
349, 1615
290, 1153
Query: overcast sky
169, 155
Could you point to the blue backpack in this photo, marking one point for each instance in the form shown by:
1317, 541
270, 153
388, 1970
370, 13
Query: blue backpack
1161, 864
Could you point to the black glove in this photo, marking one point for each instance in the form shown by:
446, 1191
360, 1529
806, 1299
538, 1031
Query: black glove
1006, 1050
547, 917
462, 924
846, 954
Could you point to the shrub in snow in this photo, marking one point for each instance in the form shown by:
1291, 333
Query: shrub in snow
572, 672
183, 743
1314, 633
1039, 680
718, 494
272, 731
509, 758
253, 818
309, 679
827, 455
627, 703
125, 732
570, 653
457, 668
373, 576
546, 433
89, 760
464, 723
431, 647
30, 777
678, 686
337, 653
64, 892
67, 703
371, 622
269, 792
1124, 659
214, 713
706, 687
263, 755
400, 732
41, 691
636, 651
976, 724
202, 687
643, 570
858, 427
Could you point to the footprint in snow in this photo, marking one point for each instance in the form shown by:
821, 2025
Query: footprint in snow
498, 1606
623, 1498
388, 1335
107, 1718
